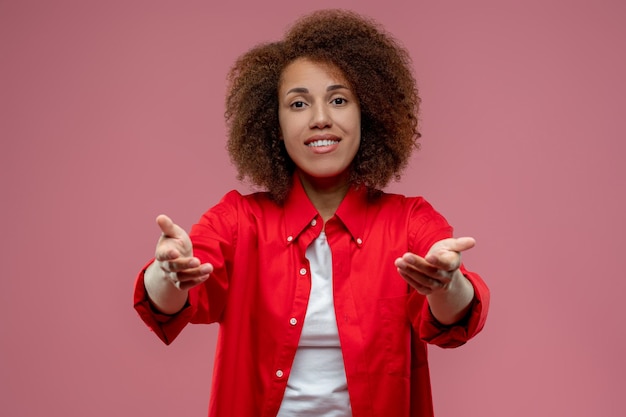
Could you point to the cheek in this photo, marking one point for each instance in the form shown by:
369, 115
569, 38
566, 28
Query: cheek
286, 134
292, 128
285, 125
352, 121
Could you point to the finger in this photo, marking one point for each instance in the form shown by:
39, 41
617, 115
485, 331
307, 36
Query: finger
417, 269
179, 264
446, 254
201, 272
422, 283
191, 277
458, 244
174, 241
444, 260
187, 285
166, 252
420, 288
411, 262
168, 227
461, 244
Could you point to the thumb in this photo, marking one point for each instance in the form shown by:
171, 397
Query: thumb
168, 227
462, 244
446, 254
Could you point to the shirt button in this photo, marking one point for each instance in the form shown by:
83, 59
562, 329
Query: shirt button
289, 238
293, 321
303, 271
279, 373
359, 241
313, 222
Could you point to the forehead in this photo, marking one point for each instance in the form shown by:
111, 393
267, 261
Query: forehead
304, 70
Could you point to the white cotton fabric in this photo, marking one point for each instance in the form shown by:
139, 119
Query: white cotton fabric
317, 384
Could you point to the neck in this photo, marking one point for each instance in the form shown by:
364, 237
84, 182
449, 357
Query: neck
325, 194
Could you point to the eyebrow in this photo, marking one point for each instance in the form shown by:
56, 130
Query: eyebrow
302, 90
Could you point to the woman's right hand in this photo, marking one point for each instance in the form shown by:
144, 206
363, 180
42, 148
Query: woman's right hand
174, 257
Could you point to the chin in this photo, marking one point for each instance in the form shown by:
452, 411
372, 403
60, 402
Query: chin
327, 175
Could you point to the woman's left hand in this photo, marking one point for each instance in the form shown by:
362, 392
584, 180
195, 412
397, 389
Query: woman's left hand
438, 270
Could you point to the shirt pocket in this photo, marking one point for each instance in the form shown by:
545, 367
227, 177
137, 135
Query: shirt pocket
394, 335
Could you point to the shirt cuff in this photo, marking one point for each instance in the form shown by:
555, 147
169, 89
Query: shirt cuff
165, 326
454, 335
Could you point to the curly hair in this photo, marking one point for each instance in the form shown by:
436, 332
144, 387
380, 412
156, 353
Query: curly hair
375, 65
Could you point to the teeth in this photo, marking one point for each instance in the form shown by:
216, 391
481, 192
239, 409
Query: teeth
322, 143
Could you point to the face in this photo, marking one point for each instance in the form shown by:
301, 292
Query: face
320, 120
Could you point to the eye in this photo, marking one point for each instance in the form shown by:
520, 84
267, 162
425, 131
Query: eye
297, 104
338, 101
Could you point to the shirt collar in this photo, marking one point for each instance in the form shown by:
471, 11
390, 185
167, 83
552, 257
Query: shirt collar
353, 212
300, 212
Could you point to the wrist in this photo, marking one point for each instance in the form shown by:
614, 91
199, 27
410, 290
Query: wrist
452, 303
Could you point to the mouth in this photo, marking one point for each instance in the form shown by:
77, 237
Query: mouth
320, 141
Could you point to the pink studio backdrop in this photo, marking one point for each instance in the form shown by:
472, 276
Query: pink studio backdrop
112, 113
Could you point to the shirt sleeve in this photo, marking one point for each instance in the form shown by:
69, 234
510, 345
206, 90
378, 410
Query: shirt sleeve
165, 326
427, 226
431, 331
214, 240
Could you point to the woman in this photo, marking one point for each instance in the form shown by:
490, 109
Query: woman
325, 288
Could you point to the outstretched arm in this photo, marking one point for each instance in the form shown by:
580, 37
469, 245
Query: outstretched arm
175, 270
439, 278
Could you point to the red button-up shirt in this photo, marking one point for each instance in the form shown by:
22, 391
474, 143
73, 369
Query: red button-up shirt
260, 287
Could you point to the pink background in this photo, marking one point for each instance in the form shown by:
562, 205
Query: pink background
111, 113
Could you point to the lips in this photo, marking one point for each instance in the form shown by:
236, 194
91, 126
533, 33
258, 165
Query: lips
319, 141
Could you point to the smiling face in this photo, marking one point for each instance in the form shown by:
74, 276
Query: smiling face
320, 121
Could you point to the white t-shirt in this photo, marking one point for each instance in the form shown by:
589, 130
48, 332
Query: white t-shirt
317, 384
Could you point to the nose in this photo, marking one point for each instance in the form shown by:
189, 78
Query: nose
320, 117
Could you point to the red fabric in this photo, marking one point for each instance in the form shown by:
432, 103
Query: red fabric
261, 281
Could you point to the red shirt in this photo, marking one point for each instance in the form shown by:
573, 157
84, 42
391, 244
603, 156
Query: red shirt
260, 286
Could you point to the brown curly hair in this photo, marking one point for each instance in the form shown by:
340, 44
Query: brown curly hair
372, 61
